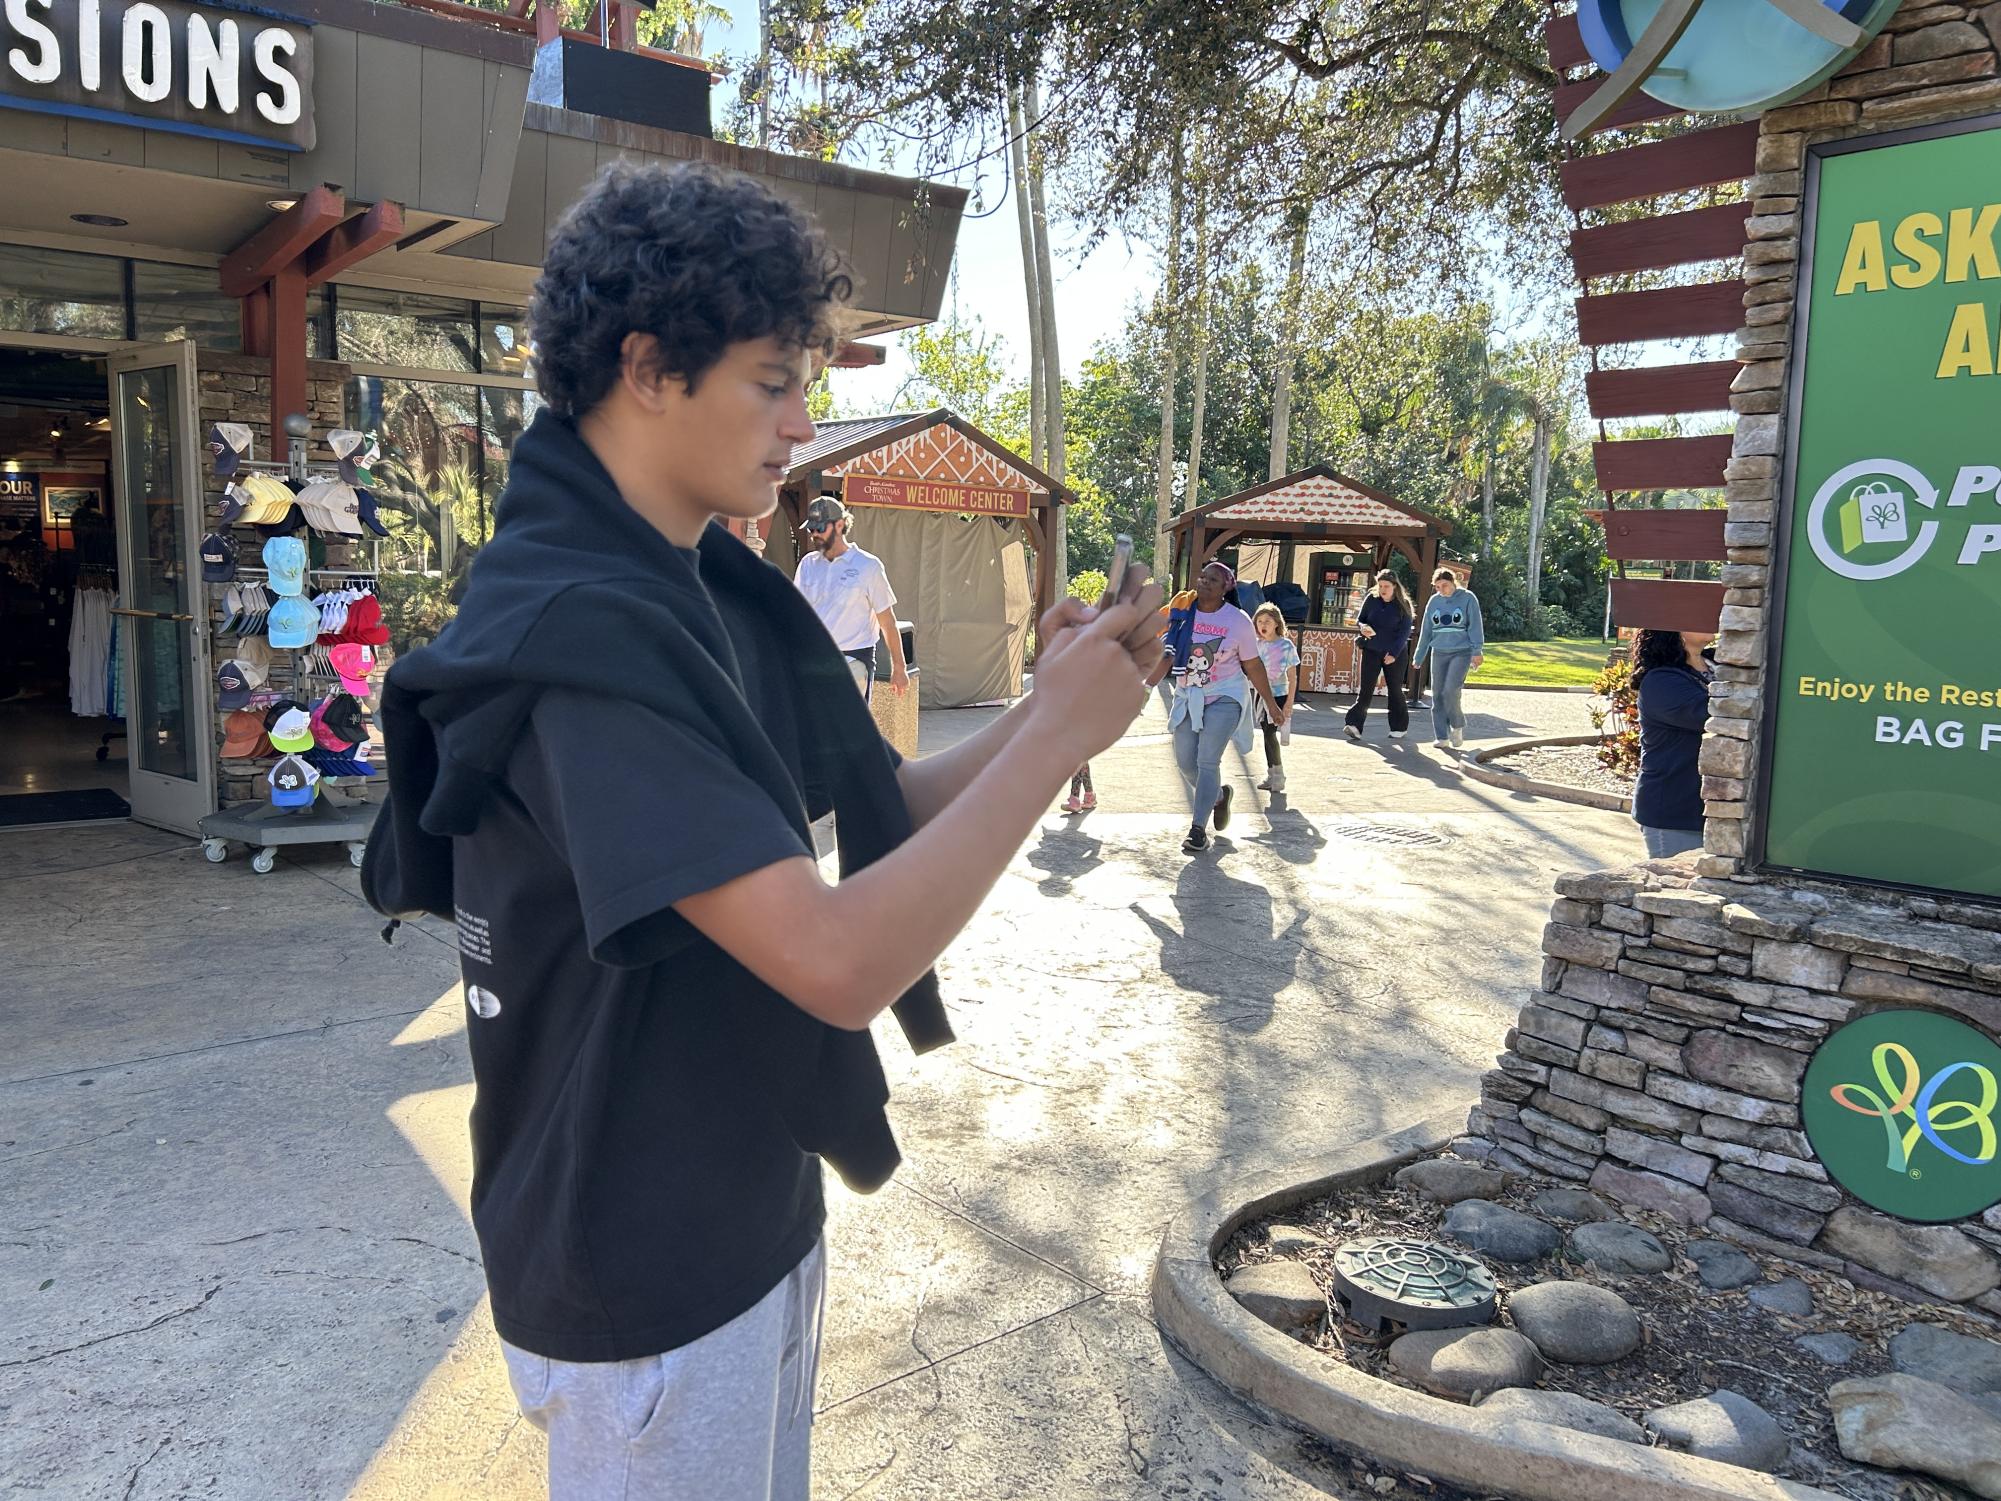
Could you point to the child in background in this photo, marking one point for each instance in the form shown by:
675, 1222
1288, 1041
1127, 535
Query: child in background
1080, 783
1281, 659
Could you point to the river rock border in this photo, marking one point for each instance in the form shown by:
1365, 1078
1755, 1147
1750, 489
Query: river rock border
1661, 1060
1445, 1440
1478, 768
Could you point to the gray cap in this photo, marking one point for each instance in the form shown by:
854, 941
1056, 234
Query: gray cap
824, 510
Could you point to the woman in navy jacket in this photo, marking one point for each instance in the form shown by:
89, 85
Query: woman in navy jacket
1385, 623
1672, 680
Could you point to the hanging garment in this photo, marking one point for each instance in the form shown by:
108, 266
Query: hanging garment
90, 652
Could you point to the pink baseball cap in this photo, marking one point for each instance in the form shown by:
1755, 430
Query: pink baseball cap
354, 662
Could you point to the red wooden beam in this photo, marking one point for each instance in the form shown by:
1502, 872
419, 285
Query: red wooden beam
1566, 43
356, 240
1701, 234
287, 303
282, 241
1661, 463
852, 355
1660, 390
1700, 159
1642, 534
1666, 604
1711, 307
1638, 108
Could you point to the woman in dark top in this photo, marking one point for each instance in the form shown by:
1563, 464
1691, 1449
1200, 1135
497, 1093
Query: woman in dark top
1385, 623
1672, 680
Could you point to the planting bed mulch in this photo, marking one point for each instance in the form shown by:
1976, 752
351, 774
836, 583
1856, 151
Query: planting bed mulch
1567, 766
1696, 1340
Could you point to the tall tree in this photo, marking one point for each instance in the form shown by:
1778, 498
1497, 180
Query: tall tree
1031, 276
1288, 333
1169, 307
1051, 363
1192, 495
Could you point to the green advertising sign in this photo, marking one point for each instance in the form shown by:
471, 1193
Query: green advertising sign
1884, 756
1899, 1106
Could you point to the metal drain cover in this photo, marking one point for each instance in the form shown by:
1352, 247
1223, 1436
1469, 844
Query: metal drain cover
1417, 1284
1384, 833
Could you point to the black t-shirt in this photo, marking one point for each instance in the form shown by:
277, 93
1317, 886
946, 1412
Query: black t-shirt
634, 1184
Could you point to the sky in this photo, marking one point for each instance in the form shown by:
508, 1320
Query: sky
1093, 292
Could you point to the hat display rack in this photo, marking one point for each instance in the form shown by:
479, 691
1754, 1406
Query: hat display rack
295, 692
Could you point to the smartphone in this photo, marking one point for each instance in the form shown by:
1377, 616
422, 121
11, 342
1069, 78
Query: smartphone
1115, 577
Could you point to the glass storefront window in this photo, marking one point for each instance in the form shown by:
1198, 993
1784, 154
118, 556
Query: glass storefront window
61, 292
184, 302
503, 340
373, 327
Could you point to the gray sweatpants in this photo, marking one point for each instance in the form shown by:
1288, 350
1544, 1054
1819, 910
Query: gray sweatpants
728, 1418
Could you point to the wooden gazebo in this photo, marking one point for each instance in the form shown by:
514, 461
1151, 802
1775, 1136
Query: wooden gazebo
1329, 512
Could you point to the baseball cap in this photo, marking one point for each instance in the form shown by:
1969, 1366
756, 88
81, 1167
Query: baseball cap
824, 510
218, 558
254, 651
264, 500
364, 501
293, 730
364, 623
353, 662
230, 443
235, 681
293, 623
285, 560
293, 782
341, 713
332, 506
243, 735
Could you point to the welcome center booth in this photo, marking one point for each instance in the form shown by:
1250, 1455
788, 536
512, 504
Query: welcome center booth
326, 209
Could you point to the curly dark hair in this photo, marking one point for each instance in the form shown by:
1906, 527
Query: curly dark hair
697, 257
1653, 649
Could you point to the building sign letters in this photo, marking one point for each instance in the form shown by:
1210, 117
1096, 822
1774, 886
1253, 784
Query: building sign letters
240, 76
932, 495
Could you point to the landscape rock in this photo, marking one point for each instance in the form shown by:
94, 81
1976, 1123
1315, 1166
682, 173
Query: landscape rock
1906, 1423
1725, 1426
1573, 1204
1620, 1249
1722, 1266
1282, 1293
1936, 1258
1773, 1216
1290, 1240
1577, 1323
1448, 1182
1835, 1349
1504, 1234
1651, 1191
1788, 1295
1466, 1363
1747, 1066
1564, 1410
1960, 1361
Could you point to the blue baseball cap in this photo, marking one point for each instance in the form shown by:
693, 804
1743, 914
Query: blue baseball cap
294, 623
294, 782
285, 561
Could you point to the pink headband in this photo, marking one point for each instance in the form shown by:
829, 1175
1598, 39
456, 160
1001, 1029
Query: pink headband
1229, 573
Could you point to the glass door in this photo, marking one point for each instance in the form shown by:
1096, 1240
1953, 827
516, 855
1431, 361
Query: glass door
162, 613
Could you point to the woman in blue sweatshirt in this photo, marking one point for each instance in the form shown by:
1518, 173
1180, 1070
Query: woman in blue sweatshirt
1672, 680
1452, 632
1385, 623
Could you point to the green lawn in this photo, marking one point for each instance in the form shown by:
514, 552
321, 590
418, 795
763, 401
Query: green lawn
1568, 662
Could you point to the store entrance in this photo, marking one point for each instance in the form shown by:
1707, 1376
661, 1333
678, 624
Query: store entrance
62, 745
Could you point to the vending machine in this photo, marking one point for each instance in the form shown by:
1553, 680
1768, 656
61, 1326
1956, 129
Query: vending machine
1340, 580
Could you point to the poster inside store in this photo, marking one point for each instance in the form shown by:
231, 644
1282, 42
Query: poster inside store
1884, 761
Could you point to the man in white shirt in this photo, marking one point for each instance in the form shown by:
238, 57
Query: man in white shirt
849, 590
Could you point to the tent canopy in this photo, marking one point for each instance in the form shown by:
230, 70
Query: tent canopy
951, 512
1314, 504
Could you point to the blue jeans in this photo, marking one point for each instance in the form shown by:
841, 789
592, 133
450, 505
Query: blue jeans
1200, 753
1448, 681
1661, 843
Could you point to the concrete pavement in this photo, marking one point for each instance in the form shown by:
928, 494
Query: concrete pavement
234, 1256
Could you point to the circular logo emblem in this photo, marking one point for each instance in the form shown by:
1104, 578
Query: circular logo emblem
1728, 55
484, 1002
1899, 1107
1861, 525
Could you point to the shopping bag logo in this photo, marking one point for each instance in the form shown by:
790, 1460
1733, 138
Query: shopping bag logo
1873, 512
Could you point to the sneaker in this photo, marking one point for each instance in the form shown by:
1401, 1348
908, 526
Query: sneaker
1397, 734
1197, 840
1458, 737
1275, 783
1223, 809
1072, 805
1442, 743
1351, 732
1090, 801
1265, 785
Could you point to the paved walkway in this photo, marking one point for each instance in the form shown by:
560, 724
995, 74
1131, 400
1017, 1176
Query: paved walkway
234, 1254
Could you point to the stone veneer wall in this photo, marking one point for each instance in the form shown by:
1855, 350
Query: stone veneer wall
1932, 63
1661, 1060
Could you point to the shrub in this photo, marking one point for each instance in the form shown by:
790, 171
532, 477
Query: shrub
1089, 586
1616, 717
